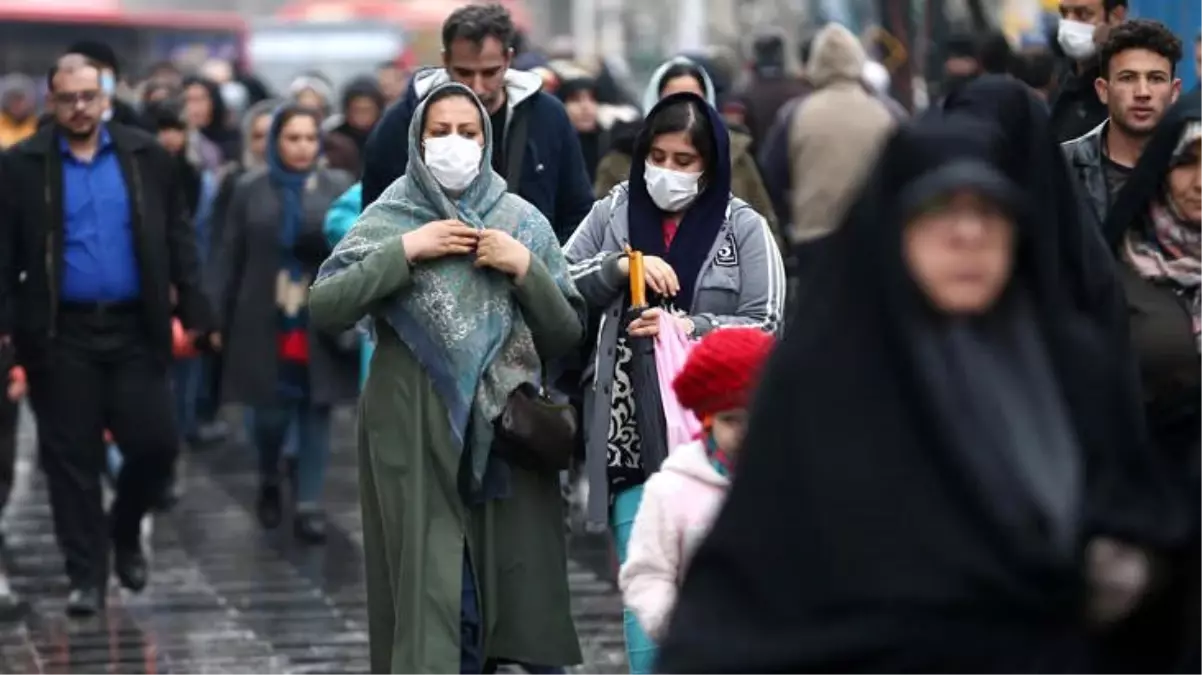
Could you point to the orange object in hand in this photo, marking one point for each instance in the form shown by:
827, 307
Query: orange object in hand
182, 346
638, 281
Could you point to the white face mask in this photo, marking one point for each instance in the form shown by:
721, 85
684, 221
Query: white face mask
454, 160
672, 191
1076, 39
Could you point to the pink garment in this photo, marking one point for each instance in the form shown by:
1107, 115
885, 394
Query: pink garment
679, 504
672, 348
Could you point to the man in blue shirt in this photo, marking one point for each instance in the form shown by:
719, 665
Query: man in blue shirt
96, 257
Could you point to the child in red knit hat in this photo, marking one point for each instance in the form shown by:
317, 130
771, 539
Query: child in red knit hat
681, 500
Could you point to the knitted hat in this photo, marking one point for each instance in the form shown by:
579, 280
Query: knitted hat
722, 370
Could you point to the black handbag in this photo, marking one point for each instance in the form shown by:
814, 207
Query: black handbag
534, 432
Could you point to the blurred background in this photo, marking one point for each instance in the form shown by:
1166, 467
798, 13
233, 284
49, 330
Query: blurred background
277, 39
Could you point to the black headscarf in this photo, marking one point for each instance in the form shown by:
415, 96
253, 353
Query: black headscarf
1034, 160
865, 532
363, 87
1135, 507
698, 230
219, 131
1146, 180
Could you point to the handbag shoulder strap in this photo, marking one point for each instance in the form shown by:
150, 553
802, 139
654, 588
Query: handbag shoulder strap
515, 145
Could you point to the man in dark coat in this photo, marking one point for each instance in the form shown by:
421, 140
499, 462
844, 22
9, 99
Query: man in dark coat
1076, 108
96, 256
1138, 68
534, 144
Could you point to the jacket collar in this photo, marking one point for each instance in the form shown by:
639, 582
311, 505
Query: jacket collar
1088, 148
124, 139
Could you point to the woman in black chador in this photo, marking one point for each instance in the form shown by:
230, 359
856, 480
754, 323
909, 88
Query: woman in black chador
917, 491
1155, 232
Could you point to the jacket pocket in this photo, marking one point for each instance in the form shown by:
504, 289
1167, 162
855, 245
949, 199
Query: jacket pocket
717, 293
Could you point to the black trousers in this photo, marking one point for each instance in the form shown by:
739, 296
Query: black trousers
101, 373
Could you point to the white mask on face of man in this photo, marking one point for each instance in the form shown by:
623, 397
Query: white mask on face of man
1076, 39
454, 160
672, 191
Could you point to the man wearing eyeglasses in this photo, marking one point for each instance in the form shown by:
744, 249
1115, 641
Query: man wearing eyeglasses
95, 245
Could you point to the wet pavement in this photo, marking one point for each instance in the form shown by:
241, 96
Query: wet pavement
228, 597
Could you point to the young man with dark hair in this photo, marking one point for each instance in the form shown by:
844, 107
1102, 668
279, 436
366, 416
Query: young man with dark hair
1076, 108
534, 144
1137, 83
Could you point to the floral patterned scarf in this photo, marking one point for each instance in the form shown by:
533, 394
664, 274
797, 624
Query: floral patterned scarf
1170, 249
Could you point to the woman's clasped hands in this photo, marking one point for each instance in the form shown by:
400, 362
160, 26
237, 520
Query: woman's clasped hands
493, 248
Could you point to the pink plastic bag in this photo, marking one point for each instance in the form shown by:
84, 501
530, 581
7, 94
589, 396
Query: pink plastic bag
671, 351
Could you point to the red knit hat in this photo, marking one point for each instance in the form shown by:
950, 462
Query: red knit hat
722, 370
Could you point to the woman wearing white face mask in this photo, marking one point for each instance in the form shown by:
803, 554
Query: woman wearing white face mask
469, 293
711, 260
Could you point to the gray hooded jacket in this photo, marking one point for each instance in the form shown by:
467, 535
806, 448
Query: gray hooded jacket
742, 285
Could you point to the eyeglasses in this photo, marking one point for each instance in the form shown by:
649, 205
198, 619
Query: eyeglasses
67, 99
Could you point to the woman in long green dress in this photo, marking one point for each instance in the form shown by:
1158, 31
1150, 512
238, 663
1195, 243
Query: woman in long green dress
469, 294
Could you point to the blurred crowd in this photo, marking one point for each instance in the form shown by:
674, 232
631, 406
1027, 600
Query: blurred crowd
900, 390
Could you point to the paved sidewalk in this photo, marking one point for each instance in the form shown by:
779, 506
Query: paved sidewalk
227, 597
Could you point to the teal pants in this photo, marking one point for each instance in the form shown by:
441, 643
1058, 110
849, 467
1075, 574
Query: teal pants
640, 650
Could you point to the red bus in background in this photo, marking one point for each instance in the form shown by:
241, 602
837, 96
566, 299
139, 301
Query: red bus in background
34, 34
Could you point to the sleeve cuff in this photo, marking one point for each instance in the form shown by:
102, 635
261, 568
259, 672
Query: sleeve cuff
611, 273
701, 326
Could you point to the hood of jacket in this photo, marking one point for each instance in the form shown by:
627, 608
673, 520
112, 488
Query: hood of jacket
692, 462
264, 107
651, 93
519, 84
835, 57
18, 84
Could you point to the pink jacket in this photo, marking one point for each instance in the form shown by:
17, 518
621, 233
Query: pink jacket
679, 504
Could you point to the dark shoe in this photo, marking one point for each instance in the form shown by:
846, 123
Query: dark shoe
268, 507
309, 527
85, 602
131, 568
